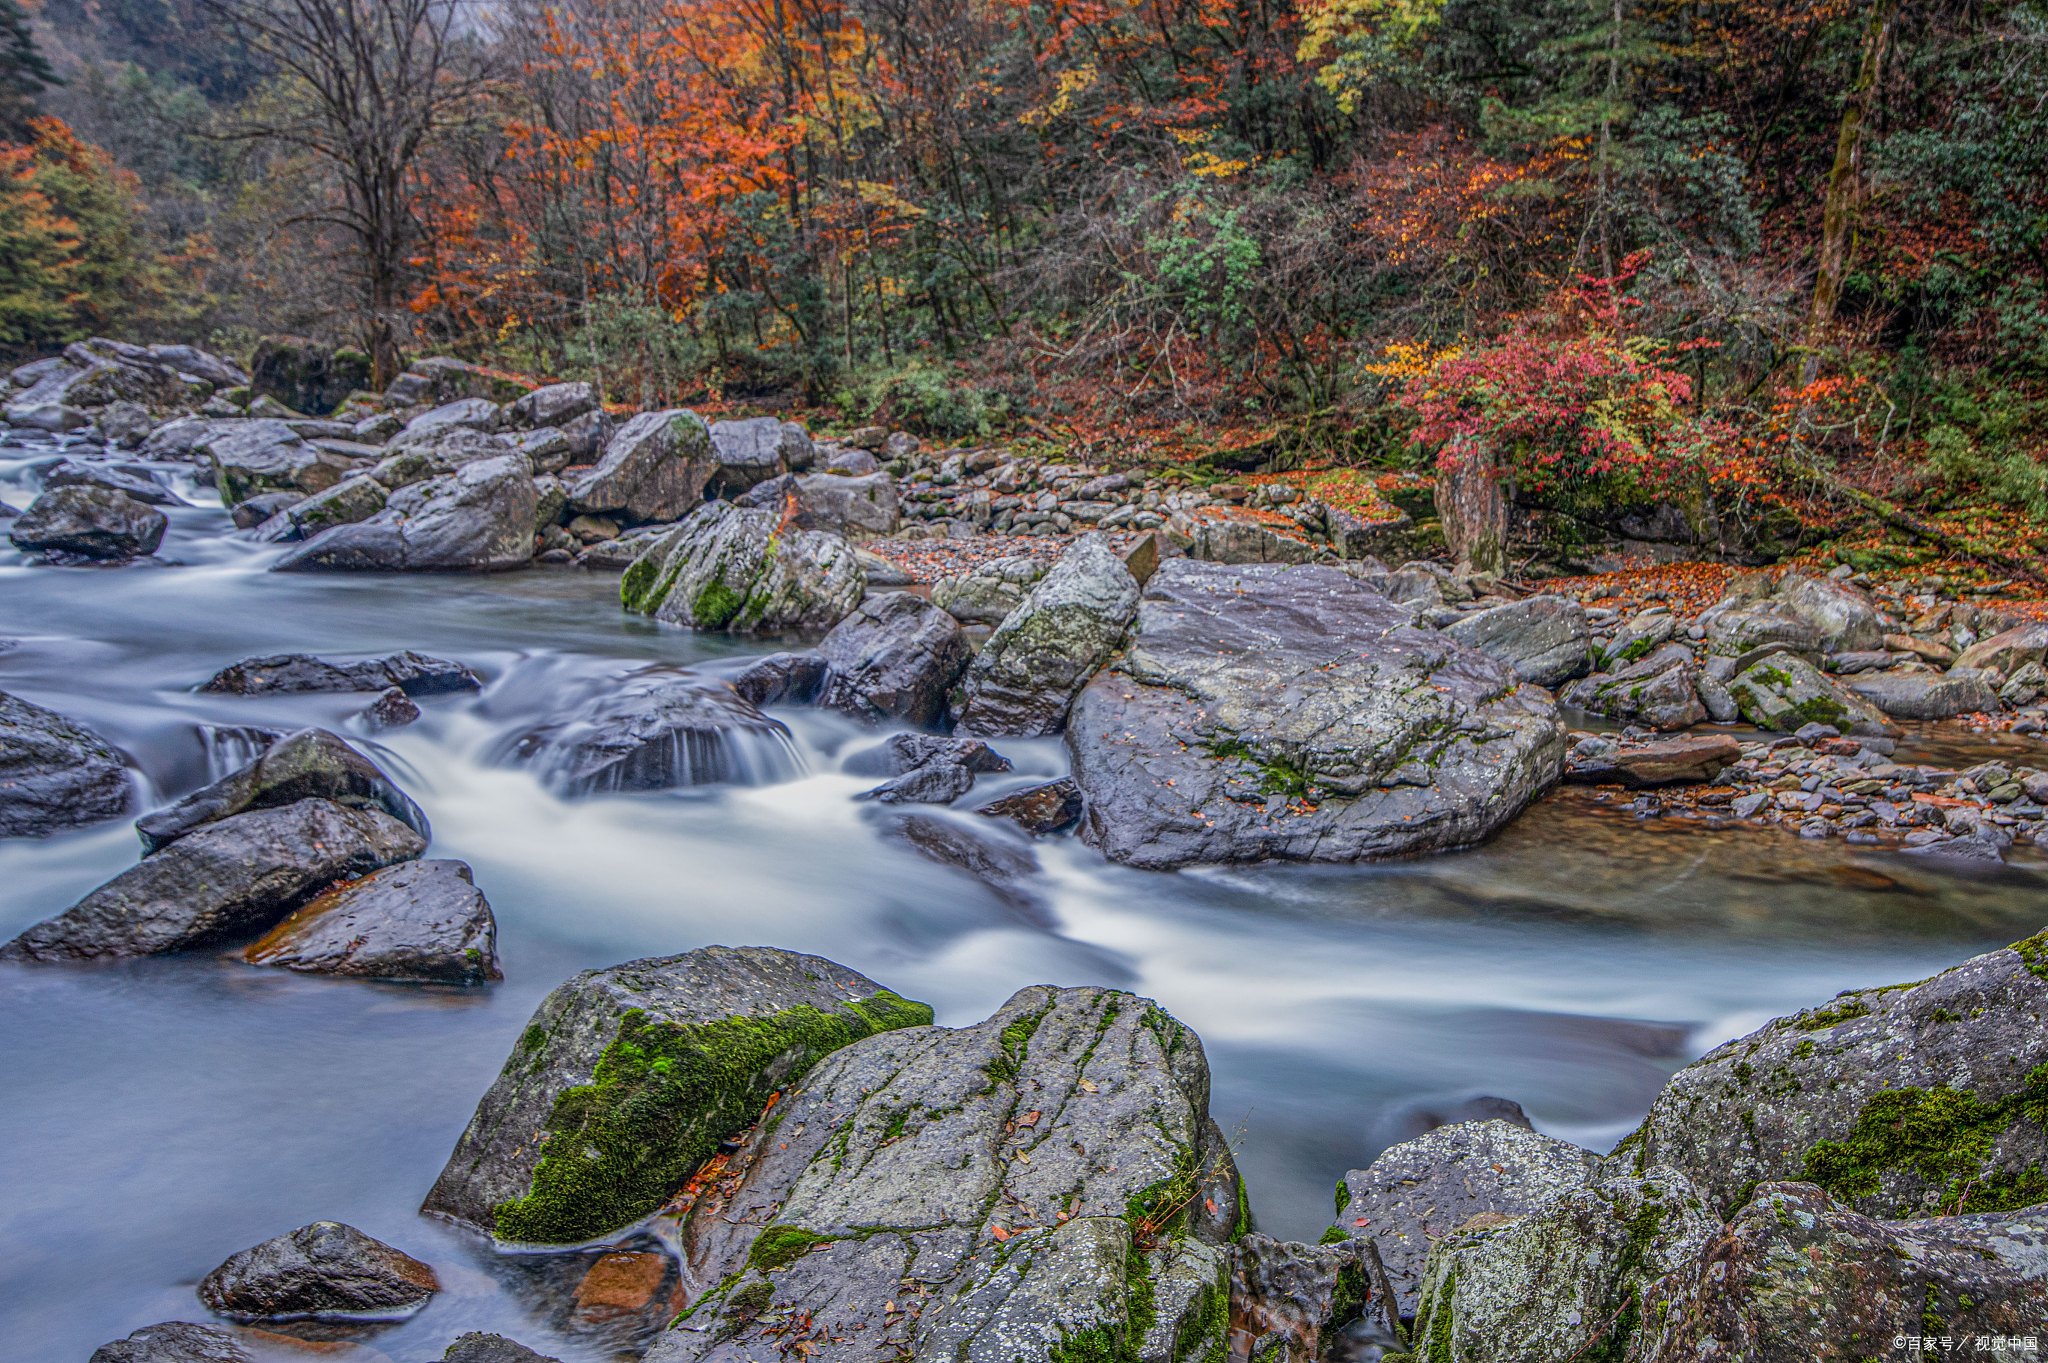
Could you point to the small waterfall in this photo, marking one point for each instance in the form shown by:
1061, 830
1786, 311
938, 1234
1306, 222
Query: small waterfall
230, 747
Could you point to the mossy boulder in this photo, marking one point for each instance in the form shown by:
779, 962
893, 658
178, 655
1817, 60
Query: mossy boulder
1659, 690
1025, 679
1784, 692
1050, 1178
1904, 1101
627, 1078
730, 568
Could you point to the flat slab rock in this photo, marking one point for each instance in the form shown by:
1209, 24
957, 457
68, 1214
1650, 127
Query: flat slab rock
55, 773
322, 1270
1682, 759
424, 921
1044, 1182
416, 674
627, 1078
1294, 714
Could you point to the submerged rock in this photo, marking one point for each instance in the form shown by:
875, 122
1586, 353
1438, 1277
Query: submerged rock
416, 674
1040, 810
628, 1078
1025, 679
1049, 1180
659, 731
174, 1342
476, 519
322, 1271
88, 521
895, 657
1263, 712
310, 764
55, 773
738, 570
1543, 639
229, 879
418, 920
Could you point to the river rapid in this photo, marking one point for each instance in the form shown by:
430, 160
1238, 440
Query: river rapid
158, 1115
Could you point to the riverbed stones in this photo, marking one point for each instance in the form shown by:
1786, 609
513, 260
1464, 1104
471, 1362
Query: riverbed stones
311, 764
1459, 1177
659, 731
476, 519
894, 658
422, 921
1542, 639
1658, 691
175, 1341
1045, 1184
1783, 692
1025, 679
86, 520
230, 879
1900, 1101
655, 469
731, 568
1270, 713
416, 674
627, 1078
55, 773
325, 1270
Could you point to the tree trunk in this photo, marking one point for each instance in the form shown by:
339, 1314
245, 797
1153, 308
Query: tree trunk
1472, 504
1845, 182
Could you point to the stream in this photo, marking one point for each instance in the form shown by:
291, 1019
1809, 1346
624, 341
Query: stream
161, 1114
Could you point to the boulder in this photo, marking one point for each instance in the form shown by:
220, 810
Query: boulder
55, 773
1902, 1101
174, 1342
88, 521
935, 783
1783, 692
1927, 695
556, 404
1461, 1177
476, 1347
547, 449
901, 753
477, 519
628, 1078
351, 500
1562, 1281
443, 378
324, 1270
894, 658
783, 679
858, 508
230, 879
740, 570
1292, 714
418, 920
1048, 1181
1658, 691
124, 425
137, 485
1039, 810
658, 731
655, 469
1682, 760
2008, 651
990, 591
1542, 639
1798, 612
588, 435
415, 457
1025, 679
264, 455
1735, 627
852, 463
263, 507
312, 764
203, 365
92, 380
416, 674
466, 414
1794, 1276
307, 375
745, 452
1843, 616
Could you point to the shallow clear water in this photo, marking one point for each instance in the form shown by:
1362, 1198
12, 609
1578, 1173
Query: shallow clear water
159, 1115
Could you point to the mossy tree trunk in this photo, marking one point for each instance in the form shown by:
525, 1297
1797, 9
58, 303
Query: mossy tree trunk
1472, 504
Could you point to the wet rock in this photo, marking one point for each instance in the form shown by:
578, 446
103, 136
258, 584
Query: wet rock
1784, 691
476, 1347
1795, 1276
306, 375
1040, 810
1299, 1303
418, 920
659, 731
1026, 677
264, 505
1927, 695
88, 521
1901, 1101
322, 1271
987, 594
628, 1078
556, 404
1468, 1176
907, 752
135, 486
312, 764
1543, 639
783, 679
1684, 759
392, 709
895, 657
229, 879
477, 519
55, 773
1559, 1282
1660, 691
1292, 714
655, 469
265, 455
730, 568
1004, 864
1049, 1180
416, 674
174, 1342
935, 783
2009, 650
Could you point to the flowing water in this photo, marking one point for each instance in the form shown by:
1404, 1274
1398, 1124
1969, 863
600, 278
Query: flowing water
159, 1115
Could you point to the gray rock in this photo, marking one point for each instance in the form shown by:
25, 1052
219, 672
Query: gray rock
203, 365
901, 753
852, 463
1049, 1180
1841, 615
588, 435
690, 1046
264, 455
746, 453
92, 379
1216, 538
174, 1342
322, 1271
731, 568
1902, 1101
655, 469
136, 485
1292, 714
473, 414
416, 674
1783, 691
783, 679
1542, 639
2009, 650
55, 773
1462, 1177
1001, 861
1026, 677
481, 1348
477, 519
895, 657
1735, 627
230, 879
418, 920
1683, 759
124, 425
312, 764
2027, 684
987, 594
935, 783
658, 731
351, 500
1927, 695
1660, 691
251, 514
443, 378
392, 709
858, 508
547, 449
556, 404
88, 521
414, 457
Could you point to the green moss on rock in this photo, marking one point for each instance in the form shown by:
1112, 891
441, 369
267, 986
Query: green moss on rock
1944, 1135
